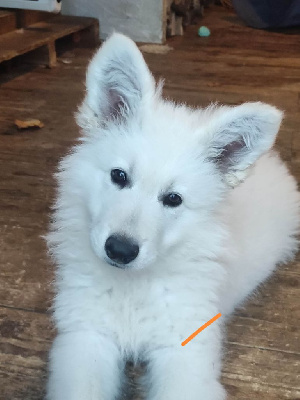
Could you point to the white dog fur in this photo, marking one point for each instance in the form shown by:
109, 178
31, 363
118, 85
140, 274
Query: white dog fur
237, 221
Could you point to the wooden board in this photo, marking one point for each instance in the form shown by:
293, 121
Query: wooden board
236, 64
8, 21
43, 33
29, 17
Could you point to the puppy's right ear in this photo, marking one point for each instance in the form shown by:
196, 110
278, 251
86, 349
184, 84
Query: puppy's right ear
118, 81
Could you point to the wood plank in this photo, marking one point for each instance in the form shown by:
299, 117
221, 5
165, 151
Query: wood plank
8, 21
267, 374
22, 41
23, 353
29, 17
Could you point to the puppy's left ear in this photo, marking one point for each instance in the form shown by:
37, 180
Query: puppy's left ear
239, 135
117, 82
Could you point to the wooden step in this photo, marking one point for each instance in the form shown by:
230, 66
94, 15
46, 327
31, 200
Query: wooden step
45, 33
29, 17
8, 21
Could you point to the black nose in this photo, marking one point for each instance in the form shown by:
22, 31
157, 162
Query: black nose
121, 249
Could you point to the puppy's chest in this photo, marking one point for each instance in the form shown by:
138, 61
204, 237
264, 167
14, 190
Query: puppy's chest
138, 313
133, 307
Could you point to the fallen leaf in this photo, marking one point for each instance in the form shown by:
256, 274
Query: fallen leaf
29, 123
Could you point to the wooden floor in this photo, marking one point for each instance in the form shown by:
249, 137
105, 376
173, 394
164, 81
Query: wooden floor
234, 65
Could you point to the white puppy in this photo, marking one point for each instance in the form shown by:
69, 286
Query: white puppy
165, 216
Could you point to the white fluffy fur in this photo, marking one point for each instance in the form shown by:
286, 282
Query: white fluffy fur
203, 257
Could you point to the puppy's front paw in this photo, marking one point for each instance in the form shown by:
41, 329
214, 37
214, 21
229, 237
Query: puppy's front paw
214, 391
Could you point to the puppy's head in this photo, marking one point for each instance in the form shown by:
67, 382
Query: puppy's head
150, 174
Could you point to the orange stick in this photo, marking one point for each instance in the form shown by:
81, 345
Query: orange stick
201, 329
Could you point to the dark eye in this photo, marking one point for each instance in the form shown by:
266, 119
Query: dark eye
172, 200
119, 177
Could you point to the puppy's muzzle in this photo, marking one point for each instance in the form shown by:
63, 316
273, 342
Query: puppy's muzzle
120, 249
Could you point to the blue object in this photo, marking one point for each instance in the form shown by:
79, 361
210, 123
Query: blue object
203, 31
268, 13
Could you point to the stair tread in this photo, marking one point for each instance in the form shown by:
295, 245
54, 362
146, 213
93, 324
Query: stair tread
8, 21
39, 34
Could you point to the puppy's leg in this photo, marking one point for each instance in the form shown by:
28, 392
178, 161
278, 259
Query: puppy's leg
84, 366
184, 374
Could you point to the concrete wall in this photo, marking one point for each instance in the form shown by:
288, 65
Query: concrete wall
142, 20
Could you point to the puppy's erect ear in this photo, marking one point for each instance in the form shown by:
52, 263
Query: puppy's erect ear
117, 82
239, 135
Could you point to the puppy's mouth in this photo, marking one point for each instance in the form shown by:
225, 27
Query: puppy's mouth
117, 265
114, 264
